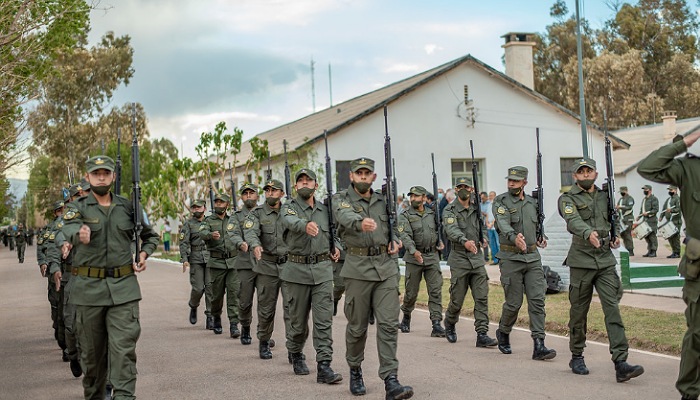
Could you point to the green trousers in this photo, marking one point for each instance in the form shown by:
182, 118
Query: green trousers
478, 281
54, 300
652, 241
200, 280
20, 251
119, 326
433, 282
675, 242
518, 279
224, 282
302, 300
338, 284
268, 288
609, 288
383, 298
245, 296
69, 321
627, 238
688, 382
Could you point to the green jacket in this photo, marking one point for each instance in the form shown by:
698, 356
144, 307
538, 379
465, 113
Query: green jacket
296, 214
112, 234
20, 237
585, 213
513, 216
418, 232
192, 246
651, 205
40, 250
263, 227
51, 252
674, 203
222, 251
245, 259
626, 210
461, 225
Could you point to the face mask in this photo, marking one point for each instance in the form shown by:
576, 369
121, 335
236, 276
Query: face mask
623, 193
219, 210
646, 193
515, 191
362, 187
586, 183
463, 194
250, 203
305, 193
671, 193
440, 196
416, 204
272, 201
198, 214
100, 190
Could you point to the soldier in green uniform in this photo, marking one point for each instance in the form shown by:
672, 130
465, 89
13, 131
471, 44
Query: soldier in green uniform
663, 166
672, 212
418, 233
105, 290
520, 264
244, 264
371, 280
223, 239
263, 231
21, 241
647, 213
307, 278
338, 284
625, 209
466, 263
592, 265
193, 255
46, 244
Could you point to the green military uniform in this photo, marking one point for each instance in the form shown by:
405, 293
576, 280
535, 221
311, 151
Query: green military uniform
21, 241
105, 289
650, 205
46, 251
625, 210
194, 251
672, 212
663, 166
222, 256
244, 266
11, 239
418, 233
338, 283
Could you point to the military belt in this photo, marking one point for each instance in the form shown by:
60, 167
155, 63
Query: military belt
579, 240
274, 258
514, 249
428, 250
102, 272
367, 251
222, 255
200, 247
312, 259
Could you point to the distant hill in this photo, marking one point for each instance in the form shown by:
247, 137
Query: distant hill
18, 187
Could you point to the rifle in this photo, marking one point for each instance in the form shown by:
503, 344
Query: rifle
393, 180
136, 195
234, 202
610, 181
329, 185
538, 193
479, 217
287, 177
438, 224
118, 164
389, 192
269, 170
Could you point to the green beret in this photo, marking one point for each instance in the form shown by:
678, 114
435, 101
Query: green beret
273, 183
305, 171
418, 190
517, 173
360, 163
99, 162
584, 162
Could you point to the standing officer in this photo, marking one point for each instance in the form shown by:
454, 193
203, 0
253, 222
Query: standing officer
263, 232
625, 209
193, 255
650, 206
592, 265
672, 212
371, 280
418, 233
466, 263
521, 265
244, 264
105, 290
307, 278
21, 241
663, 166
223, 239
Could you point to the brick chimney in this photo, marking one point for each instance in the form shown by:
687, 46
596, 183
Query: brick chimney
669, 119
518, 49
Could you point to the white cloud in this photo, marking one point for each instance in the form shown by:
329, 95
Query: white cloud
431, 48
401, 67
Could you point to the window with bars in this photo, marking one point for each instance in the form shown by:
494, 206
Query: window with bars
566, 169
463, 168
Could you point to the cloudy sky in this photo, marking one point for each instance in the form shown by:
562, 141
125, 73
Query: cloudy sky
247, 62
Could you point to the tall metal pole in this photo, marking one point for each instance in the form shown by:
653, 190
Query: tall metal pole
581, 98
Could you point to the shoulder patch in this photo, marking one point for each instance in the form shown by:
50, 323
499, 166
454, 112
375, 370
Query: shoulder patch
60, 225
568, 209
202, 227
52, 237
182, 235
450, 220
291, 211
400, 228
344, 204
229, 227
501, 210
46, 235
71, 214
248, 224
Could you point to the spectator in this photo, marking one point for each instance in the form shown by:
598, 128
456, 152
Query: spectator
166, 236
485, 208
491, 230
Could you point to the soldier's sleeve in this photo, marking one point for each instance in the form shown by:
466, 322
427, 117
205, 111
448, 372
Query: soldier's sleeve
502, 219
40, 257
251, 230
452, 231
290, 219
662, 167
347, 217
234, 236
185, 248
149, 237
654, 206
574, 223
205, 230
53, 258
406, 233
676, 206
626, 205
72, 221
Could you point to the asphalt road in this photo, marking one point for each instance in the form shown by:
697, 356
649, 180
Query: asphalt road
182, 361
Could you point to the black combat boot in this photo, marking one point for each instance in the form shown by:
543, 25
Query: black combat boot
689, 397
405, 324
483, 340
108, 392
395, 391
64, 356
299, 364
210, 322
289, 356
233, 329
625, 372
335, 307
438, 331
631, 253
245, 335
75, 368
450, 332
540, 352
324, 373
503, 342
217, 326
264, 349
577, 365
357, 384
193, 315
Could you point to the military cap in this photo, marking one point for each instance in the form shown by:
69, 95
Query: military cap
222, 197
99, 162
623, 188
84, 185
58, 204
305, 171
584, 162
418, 190
274, 183
465, 180
362, 162
517, 173
671, 187
646, 187
198, 203
73, 190
248, 186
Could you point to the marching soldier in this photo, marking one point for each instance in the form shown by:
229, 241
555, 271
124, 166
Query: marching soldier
672, 212
592, 265
625, 208
244, 264
45, 246
466, 263
520, 263
418, 233
21, 241
650, 206
371, 280
193, 255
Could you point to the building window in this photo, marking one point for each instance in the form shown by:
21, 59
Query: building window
463, 169
566, 168
342, 175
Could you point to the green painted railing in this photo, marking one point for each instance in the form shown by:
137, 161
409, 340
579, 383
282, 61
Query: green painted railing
648, 277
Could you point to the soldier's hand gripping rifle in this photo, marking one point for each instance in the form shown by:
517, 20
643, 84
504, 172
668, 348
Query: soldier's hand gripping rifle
610, 183
389, 189
118, 164
287, 173
538, 193
234, 202
480, 218
136, 195
438, 224
329, 188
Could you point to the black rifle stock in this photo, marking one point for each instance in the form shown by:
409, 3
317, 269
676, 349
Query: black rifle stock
287, 173
480, 218
268, 174
329, 188
438, 221
118, 164
136, 195
538, 193
234, 202
610, 182
389, 190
